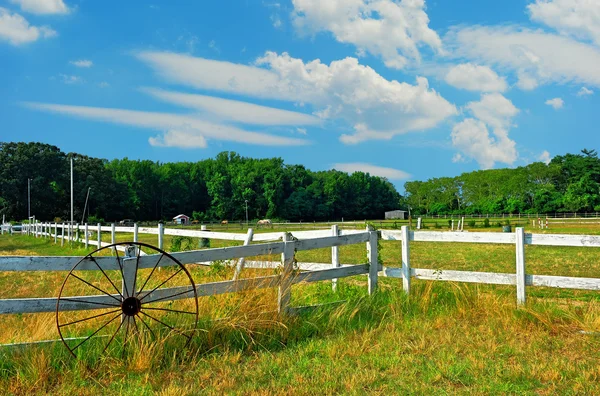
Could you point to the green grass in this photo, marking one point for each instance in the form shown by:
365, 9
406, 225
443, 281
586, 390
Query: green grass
445, 339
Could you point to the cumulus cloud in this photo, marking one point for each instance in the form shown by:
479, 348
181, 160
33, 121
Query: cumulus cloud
536, 57
181, 139
17, 31
472, 135
475, 78
585, 92
42, 6
577, 18
392, 30
388, 173
82, 63
235, 110
545, 157
375, 107
168, 122
556, 103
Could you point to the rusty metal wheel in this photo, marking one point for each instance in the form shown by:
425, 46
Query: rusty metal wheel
125, 300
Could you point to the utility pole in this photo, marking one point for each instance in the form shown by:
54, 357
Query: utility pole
246, 211
71, 191
86, 205
28, 197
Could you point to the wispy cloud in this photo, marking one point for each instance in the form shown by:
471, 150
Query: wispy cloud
585, 92
86, 63
374, 170
234, 110
168, 122
70, 79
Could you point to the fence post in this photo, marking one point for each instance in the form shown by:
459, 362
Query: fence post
372, 259
161, 235
55, 232
240, 264
62, 239
285, 279
520, 255
406, 259
87, 238
113, 234
335, 256
99, 235
135, 232
129, 273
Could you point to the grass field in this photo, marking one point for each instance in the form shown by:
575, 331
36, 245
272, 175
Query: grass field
445, 339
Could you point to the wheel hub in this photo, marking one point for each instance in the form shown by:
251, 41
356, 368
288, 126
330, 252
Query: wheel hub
131, 306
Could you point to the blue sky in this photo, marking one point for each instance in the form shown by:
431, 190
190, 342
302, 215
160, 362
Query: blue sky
404, 89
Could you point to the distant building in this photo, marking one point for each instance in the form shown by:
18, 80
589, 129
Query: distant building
396, 215
181, 219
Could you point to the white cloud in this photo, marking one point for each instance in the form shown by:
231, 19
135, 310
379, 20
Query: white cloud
535, 56
494, 109
301, 131
234, 110
168, 122
70, 79
16, 30
472, 136
42, 6
545, 157
82, 63
390, 29
103, 84
578, 18
556, 103
180, 139
585, 92
475, 78
377, 108
276, 20
388, 173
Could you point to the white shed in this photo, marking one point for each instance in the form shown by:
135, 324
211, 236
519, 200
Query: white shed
181, 219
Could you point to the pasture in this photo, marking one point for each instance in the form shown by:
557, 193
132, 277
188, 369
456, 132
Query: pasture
444, 338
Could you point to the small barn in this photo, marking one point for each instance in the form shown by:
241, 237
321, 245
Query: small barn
396, 215
181, 219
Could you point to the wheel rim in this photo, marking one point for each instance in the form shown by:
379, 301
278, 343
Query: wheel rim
158, 300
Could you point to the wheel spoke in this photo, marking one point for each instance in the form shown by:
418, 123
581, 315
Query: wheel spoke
167, 297
170, 310
168, 279
164, 324
91, 317
100, 290
151, 272
88, 302
148, 327
104, 273
137, 330
95, 332
113, 336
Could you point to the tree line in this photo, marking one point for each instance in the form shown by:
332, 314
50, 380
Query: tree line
569, 183
207, 190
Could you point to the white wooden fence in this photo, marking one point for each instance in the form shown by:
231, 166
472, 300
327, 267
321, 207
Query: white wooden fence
305, 240
284, 281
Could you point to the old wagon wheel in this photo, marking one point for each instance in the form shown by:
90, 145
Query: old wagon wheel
120, 299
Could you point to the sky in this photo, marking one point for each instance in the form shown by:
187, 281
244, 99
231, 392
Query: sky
406, 90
